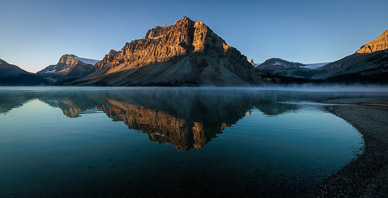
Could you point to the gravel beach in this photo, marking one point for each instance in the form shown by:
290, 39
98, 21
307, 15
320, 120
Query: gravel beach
367, 175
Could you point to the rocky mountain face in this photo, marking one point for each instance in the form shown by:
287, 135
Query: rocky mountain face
68, 67
14, 75
379, 44
186, 53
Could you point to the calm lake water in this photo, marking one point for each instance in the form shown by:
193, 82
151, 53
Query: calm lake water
117, 142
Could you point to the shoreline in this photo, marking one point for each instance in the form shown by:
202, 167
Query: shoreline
367, 174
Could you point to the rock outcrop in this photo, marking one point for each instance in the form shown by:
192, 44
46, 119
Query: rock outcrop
186, 53
253, 62
380, 43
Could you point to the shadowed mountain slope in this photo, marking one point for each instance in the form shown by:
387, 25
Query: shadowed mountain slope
14, 75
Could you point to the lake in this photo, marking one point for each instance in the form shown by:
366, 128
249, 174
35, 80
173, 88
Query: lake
163, 142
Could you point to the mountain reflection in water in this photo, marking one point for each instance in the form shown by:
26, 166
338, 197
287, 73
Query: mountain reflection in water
185, 118
72, 142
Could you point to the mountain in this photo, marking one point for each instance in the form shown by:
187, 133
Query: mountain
283, 68
14, 75
360, 68
69, 67
367, 65
186, 53
7, 70
379, 44
315, 65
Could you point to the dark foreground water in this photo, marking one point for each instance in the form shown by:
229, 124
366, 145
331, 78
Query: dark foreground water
163, 142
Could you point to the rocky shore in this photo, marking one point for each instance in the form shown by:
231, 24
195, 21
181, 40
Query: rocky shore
367, 175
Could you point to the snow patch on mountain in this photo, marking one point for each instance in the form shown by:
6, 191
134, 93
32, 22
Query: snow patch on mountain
278, 63
51, 71
253, 63
153, 38
314, 65
86, 60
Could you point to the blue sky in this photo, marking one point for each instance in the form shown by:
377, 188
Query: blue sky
34, 34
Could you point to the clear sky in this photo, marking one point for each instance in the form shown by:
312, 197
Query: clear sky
34, 34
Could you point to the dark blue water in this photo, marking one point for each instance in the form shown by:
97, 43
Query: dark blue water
162, 142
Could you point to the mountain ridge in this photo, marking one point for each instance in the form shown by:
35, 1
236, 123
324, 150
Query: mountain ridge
189, 53
7, 69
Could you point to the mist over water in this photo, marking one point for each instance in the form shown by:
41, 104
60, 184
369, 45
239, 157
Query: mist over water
147, 141
291, 87
329, 88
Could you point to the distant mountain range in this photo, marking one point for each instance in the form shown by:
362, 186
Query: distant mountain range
368, 65
189, 53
